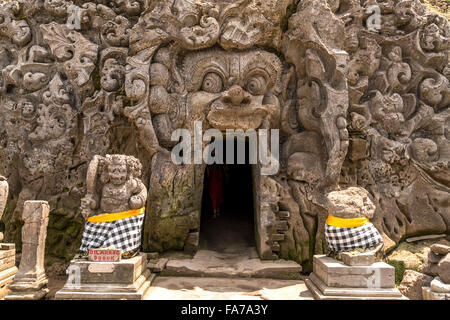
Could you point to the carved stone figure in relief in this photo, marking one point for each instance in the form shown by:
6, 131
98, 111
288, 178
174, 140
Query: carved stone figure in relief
357, 105
235, 90
114, 205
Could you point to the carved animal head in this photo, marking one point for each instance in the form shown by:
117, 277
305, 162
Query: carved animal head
237, 90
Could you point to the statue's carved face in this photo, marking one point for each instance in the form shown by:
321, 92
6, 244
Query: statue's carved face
117, 173
236, 90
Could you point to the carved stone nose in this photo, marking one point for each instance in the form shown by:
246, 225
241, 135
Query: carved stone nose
236, 96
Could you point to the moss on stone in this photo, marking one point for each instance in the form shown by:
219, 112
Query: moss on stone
399, 269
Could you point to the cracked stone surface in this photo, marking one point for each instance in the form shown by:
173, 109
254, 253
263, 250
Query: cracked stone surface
245, 263
355, 108
195, 288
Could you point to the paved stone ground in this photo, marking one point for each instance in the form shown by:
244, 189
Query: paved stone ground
243, 263
236, 274
196, 288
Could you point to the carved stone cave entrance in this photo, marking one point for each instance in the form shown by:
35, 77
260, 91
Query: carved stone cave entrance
233, 230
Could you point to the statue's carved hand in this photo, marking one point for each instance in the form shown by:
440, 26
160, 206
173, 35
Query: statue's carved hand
136, 202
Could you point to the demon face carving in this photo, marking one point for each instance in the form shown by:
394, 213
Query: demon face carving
235, 90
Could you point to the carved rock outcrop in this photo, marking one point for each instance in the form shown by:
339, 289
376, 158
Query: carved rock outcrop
359, 91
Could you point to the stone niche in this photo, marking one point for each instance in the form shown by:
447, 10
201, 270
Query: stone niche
354, 106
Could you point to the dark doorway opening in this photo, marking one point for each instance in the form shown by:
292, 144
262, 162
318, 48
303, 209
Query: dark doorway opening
233, 228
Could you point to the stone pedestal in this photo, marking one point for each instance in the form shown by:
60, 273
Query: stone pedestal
126, 279
8, 267
333, 280
30, 282
438, 290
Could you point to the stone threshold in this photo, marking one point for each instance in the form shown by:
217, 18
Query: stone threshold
242, 264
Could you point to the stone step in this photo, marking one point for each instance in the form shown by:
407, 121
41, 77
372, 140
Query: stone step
4, 282
7, 246
28, 295
7, 253
7, 263
105, 292
126, 271
335, 273
109, 287
353, 292
7, 275
320, 296
240, 265
198, 288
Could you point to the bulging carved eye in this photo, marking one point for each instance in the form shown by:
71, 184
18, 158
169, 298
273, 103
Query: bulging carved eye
257, 85
212, 83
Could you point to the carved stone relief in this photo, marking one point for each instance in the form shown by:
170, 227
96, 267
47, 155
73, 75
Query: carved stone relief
355, 107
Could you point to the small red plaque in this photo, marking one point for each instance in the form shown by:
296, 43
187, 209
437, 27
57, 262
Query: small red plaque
105, 255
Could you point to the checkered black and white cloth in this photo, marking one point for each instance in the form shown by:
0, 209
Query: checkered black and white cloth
123, 234
342, 239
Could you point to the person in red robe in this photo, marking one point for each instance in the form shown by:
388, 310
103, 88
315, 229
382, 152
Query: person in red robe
215, 176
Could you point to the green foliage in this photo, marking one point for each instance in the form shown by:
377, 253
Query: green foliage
399, 269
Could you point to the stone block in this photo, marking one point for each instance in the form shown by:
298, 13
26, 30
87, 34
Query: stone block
8, 267
443, 268
428, 294
321, 291
412, 284
7, 276
284, 214
125, 271
335, 273
7, 246
278, 236
126, 279
152, 255
157, 265
7, 253
440, 249
7, 263
361, 259
333, 280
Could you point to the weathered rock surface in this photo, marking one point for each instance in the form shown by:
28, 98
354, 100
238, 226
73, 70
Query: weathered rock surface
195, 288
357, 103
350, 203
443, 269
415, 256
245, 264
412, 283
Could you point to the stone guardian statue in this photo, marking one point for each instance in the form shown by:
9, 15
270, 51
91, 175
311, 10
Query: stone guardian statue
114, 205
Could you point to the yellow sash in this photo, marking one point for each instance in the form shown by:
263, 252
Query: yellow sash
116, 216
346, 223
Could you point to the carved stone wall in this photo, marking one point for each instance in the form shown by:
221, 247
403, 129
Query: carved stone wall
355, 106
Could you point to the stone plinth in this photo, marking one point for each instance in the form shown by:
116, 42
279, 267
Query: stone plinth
126, 279
438, 290
428, 294
334, 280
8, 267
30, 282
